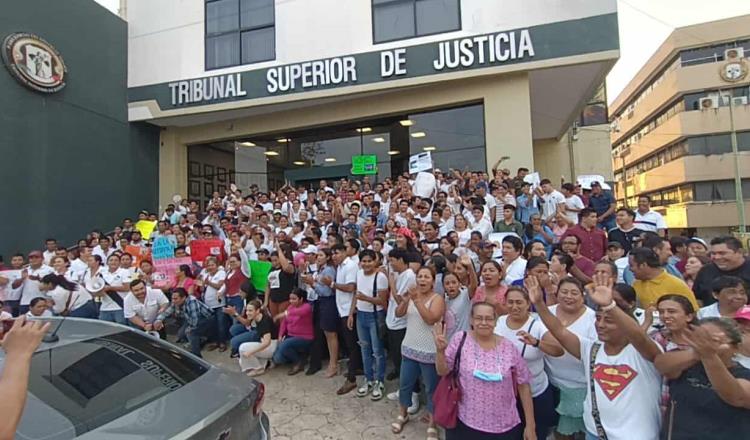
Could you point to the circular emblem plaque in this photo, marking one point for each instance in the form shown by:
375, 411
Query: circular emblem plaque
34, 62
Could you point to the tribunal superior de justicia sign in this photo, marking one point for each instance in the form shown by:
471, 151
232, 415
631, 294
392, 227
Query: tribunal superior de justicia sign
549, 41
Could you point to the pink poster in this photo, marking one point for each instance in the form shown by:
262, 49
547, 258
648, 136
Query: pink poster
165, 271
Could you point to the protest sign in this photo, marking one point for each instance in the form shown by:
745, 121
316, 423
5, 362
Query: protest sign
420, 162
165, 271
259, 271
533, 179
138, 253
587, 179
162, 248
200, 249
145, 227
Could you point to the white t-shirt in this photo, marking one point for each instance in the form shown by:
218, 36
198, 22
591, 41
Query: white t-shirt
147, 310
457, 313
550, 202
60, 296
114, 279
711, 311
11, 294
464, 237
30, 288
404, 281
628, 391
483, 226
77, 269
211, 294
533, 356
573, 202
650, 221
515, 270
364, 285
566, 370
346, 273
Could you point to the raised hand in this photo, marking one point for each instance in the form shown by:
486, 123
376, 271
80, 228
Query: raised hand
526, 338
703, 342
535, 291
602, 294
438, 333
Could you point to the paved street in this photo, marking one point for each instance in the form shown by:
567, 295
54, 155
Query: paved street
304, 407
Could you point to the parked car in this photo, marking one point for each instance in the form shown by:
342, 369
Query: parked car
107, 381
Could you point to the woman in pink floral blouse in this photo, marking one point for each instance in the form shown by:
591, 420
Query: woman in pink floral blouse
489, 367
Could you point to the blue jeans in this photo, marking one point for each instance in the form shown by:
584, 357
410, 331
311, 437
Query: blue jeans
113, 316
240, 334
411, 370
371, 345
88, 310
237, 302
222, 321
607, 224
194, 335
290, 350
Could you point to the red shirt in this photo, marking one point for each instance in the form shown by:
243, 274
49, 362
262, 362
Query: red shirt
234, 282
593, 242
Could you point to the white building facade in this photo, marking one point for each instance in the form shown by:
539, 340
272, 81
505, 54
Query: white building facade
263, 91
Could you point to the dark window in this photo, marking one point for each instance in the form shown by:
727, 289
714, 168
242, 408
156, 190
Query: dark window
399, 19
84, 385
594, 114
239, 32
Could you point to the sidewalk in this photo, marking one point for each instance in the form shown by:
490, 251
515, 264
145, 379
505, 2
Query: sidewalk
307, 407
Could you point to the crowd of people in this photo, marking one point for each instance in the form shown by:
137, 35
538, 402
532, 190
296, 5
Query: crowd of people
555, 310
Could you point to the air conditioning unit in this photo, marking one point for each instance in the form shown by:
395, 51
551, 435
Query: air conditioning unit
631, 110
739, 100
734, 53
709, 102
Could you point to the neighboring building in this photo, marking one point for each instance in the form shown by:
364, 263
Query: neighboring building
257, 91
671, 127
71, 160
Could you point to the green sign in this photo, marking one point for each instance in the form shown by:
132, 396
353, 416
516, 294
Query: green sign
367, 164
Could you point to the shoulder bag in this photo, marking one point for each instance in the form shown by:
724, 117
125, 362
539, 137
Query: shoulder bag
447, 394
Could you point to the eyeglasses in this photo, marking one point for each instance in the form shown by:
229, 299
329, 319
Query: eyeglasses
484, 318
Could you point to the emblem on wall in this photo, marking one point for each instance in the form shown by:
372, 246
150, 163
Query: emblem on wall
34, 62
736, 66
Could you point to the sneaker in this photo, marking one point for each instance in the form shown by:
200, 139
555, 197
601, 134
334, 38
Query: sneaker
393, 397
365, 388
414, 408
377, 391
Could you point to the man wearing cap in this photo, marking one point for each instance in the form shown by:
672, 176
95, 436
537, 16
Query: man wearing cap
626, 231
647, 219
604, 204
727, 258
30, 280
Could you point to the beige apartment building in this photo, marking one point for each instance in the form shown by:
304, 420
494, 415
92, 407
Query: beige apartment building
671, 125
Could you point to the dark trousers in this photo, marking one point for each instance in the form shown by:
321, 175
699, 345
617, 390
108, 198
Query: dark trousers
463, 432
319, 342
395, 338
195, 335
352, 346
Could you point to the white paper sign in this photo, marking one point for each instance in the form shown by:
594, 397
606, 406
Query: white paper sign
587, 179
533, 179
420, 162
424, 185
497, 237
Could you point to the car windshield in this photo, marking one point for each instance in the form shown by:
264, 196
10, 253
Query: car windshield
76, 388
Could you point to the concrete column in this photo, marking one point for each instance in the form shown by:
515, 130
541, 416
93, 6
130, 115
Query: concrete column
507, 123
173, 168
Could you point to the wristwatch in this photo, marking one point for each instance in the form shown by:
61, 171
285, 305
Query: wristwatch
536, 344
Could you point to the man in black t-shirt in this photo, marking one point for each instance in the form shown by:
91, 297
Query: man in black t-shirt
625, 231
727, 258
